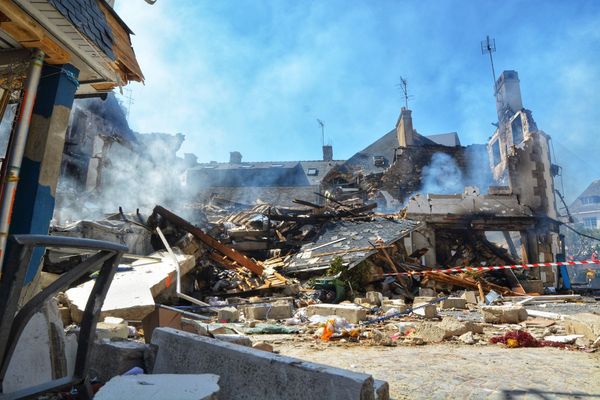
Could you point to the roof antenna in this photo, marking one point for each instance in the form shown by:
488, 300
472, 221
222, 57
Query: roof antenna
404, 87
489, 46
322, 131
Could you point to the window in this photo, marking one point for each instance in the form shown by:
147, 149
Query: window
312, 172
378, 161
590, 222
590, 200
517, 130
496, 152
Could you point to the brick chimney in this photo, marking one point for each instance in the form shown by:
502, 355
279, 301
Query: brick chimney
404, 128
508, 96
235, 157
327, 152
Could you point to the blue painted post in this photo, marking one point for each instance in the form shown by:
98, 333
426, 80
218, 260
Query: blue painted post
40, 169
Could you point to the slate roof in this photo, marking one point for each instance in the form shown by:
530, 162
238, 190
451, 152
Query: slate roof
385, 147
592, 191
261, 174
348, 235
88, 18
450, 139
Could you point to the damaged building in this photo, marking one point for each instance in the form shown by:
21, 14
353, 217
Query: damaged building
274, 182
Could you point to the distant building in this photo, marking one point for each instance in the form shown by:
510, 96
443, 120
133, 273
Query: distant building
586, 208
273, 182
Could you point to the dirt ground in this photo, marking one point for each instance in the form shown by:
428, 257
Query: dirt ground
453, 371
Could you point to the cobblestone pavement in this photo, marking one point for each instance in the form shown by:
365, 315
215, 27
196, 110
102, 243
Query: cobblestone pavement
449, 371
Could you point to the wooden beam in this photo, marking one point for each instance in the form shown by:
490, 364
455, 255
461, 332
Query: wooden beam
209, 240
30, 34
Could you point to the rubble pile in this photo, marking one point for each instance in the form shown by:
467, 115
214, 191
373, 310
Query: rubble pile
334, 273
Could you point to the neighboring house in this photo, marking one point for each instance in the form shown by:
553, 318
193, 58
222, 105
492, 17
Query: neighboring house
586, 208
273, 182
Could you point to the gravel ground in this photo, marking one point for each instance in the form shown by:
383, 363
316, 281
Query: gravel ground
452, 371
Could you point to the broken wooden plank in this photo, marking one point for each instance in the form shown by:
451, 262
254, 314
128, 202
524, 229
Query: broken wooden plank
209, 240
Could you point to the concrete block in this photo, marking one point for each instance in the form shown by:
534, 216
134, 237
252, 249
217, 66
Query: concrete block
504, 314
398, 304
586, 324
470, 296
111, 358
228, 314
269, 311
427, 311
423, 299
112, 327
161, 386
349, 312
430, 332
246, 373
382, 390
453, 302
375, 298
453, 327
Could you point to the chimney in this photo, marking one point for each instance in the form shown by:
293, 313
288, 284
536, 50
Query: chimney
327, 152
508, 93
235, 157
404, 128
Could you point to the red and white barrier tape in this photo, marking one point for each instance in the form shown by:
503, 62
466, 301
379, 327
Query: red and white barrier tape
498, 267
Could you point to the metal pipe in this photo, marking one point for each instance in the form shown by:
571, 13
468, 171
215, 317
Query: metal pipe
178, 281
16, 154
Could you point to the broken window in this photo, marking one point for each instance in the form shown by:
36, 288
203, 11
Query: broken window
312, 172
496, 157
510, 241
517, 130
378, 161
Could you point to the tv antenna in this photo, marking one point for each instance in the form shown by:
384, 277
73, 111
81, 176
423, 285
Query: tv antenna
322, 124
489, 46
404, 87
128, 95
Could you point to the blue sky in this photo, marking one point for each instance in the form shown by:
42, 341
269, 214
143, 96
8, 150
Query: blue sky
254, 76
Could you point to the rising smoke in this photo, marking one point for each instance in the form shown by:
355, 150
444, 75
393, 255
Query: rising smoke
443, 175
106, 165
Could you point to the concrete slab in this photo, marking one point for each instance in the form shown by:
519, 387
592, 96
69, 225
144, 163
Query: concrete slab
247, 373
131, 293
163, 386
586, 324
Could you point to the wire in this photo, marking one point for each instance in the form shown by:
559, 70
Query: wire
581, 234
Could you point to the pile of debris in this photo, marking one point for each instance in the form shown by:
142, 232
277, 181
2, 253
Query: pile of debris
331, 273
